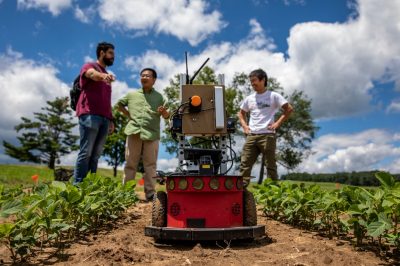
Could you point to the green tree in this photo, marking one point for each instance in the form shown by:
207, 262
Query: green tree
46, 138
114, 148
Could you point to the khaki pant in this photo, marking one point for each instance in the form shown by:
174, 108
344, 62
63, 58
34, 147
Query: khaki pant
133, 150
254, 145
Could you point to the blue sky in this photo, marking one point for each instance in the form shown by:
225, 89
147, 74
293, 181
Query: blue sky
343, 54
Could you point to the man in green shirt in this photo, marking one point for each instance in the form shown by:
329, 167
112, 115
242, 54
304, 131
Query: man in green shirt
143, 107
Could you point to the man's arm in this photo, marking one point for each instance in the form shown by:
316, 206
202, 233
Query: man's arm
242, 120
287, 110
123, 110
95, 75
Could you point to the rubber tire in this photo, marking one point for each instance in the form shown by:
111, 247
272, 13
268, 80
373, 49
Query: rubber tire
159, 210
249, 209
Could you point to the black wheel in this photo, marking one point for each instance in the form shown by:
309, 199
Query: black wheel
159, 211
249, 209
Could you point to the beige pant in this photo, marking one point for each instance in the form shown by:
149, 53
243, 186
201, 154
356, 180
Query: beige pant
133, 150
254, 145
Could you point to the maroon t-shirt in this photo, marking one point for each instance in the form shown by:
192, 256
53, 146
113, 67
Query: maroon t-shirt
95, 98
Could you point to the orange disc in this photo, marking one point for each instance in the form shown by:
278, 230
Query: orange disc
195, 100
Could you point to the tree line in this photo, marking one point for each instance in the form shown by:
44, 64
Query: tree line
365, 178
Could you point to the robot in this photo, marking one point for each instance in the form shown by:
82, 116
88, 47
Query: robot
201, 201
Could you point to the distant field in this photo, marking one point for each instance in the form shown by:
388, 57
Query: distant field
13, 175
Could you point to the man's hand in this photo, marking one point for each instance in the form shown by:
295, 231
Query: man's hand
111, 127
162, 110
274, 126
246, 129
108, 78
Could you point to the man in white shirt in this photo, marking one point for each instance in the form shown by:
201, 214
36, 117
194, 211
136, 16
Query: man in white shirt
262, 106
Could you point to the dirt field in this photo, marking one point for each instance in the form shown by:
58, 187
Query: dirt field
125, 244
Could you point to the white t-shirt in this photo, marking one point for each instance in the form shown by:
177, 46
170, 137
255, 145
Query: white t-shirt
262, 108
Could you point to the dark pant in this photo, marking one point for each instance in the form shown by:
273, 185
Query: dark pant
93, 131
254, 145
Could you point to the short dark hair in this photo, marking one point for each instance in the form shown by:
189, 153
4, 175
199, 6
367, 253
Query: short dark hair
103, 46
149, 69
260, 74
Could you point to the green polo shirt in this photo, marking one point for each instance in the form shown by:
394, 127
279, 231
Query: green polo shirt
142, 108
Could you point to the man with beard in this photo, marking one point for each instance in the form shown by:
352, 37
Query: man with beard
94, 110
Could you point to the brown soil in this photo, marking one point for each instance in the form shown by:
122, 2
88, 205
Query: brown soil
125, 244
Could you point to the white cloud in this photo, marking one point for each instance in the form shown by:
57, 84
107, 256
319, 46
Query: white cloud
88, 58
163, 17
167, 165
394, 107
367, 150
55, 7
85, 15
335, 64
25, 87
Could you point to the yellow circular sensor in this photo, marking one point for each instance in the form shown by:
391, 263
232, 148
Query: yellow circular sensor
214, 183
183, 184
198, 183
229, 183
171, 184
195, 100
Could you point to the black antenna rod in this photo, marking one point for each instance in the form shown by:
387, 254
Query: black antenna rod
187, 71
197, 72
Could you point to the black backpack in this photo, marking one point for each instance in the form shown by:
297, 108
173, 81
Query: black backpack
75, 92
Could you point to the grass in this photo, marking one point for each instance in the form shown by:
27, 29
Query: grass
16, 175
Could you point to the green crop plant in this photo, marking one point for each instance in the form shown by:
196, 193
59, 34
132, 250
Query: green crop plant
51, 213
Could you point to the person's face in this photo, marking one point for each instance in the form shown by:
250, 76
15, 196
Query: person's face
108, 57
147, 79
257, 84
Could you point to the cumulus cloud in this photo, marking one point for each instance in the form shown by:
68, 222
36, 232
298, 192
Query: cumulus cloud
226, 57
373, 149
55, 7
85, 15
163, 17
335, 64
394, 107
25, 86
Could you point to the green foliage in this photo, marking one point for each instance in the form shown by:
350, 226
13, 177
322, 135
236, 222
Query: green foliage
46, 138
52, 213
368, 214
114, 148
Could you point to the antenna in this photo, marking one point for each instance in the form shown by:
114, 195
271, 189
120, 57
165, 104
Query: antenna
197, 72
187, 71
